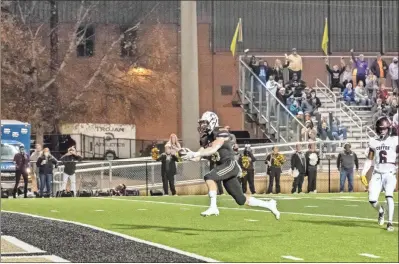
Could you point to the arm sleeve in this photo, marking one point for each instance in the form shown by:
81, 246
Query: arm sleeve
292, 162
39, 162
339, 161
356, 161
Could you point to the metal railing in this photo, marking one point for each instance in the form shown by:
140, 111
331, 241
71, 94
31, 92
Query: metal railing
327, 93
343, 108
265, 115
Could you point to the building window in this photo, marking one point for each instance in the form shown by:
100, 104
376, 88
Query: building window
226, 90
128, 42
85, 47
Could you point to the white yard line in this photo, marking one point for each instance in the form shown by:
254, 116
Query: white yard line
291, 258
311, 206
167, 248
238, 209
51, 258
29, 249
369, 255
251, 220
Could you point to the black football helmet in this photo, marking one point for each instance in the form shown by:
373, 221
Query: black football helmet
383, 127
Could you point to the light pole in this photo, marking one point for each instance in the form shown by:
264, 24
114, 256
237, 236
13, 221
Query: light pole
189, 74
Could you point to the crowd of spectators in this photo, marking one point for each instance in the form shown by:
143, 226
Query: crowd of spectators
362, 86
293, 94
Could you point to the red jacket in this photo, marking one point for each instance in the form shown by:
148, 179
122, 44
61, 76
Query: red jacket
383, 95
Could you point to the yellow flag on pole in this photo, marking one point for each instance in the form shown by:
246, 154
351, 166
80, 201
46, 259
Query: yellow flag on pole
236, 37
324, 42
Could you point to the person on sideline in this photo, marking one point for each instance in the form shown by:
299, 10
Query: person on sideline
46, 164
69, 160
21, 161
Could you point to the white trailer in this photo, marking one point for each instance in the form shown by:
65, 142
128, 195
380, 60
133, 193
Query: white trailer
101, 141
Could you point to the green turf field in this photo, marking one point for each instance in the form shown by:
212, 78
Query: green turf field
313, 227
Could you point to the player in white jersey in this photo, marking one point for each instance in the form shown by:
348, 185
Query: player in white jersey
383, 151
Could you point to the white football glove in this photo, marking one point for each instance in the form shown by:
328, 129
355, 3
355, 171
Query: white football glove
191, 155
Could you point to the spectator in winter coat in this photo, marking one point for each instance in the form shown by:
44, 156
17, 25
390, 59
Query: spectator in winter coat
282, 96
393, 72
361, 67
278, 70
392, 107
295, 108
349, 94
347, 161
271, 86
295, 65
308, 132
69, 160
378, 110
371, 84
312, 161
296, 85
361, 96
383, 94
46, 164
35, 170
21, 161
168, 170
335, 74
347, 76
380, 68
338, 131
325, 133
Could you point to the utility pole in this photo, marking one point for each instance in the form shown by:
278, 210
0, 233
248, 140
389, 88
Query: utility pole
189, 74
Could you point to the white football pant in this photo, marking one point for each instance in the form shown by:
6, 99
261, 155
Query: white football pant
382, 181
65, 178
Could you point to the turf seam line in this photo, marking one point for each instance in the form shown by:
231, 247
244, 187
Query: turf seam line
138, 240
239, 209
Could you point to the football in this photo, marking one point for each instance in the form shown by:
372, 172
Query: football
183, 152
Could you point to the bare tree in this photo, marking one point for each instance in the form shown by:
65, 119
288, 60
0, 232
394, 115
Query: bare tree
134, 87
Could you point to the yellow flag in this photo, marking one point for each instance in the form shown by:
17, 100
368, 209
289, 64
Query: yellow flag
237, 37
324, 42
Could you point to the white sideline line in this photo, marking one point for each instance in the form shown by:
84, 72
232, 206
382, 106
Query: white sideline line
24, 246
51, 258
240, 209
291, 258
364, 199
138, 240
369, 255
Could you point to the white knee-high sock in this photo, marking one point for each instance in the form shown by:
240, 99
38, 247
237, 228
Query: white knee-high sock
252, 201
391, 208
213, 196
377, 207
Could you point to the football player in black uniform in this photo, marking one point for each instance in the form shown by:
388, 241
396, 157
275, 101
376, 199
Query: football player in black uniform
226, 169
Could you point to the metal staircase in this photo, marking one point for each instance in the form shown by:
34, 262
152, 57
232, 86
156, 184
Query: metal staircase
282, 125
357, 123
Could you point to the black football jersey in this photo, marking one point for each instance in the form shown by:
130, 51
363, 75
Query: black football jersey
225, 152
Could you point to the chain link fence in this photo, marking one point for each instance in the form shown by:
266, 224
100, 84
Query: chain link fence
145, 173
